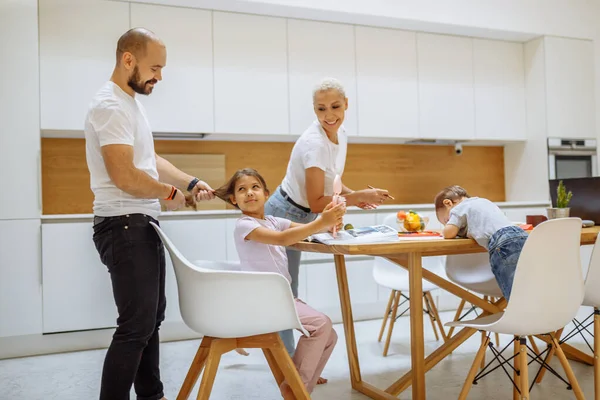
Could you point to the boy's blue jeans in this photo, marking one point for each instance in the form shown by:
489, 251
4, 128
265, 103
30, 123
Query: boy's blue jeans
505, 248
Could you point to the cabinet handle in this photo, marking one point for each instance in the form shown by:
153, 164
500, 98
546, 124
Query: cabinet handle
39, 180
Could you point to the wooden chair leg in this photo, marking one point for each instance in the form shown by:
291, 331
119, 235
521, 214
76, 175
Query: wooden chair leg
195, 369
460, 308
483, 337
596, 355
431, 315
536, 350
567, 367
392, 322
217, 348
469, 382
288, 369
493, 300
437, 317
549, 356
516, 372
524, 369
277, 373
386, 315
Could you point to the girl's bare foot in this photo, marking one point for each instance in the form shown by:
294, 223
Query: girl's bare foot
321, 381
286, 391
242, 352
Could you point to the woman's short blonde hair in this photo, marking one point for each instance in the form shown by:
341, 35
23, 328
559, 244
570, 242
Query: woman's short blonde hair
328, 84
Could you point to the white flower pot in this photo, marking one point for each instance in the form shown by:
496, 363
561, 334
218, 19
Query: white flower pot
554, 213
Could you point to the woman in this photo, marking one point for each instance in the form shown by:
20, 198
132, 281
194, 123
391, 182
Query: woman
318, 155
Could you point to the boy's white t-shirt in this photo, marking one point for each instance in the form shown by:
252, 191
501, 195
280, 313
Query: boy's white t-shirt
314, 149
115, 117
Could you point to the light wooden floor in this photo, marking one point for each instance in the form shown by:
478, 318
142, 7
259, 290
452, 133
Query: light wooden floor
76, 376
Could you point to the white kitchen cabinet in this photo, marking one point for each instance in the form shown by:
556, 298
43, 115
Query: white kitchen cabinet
78, 41
446, 99
183, 100
77, 293
250, 72
196, 239
570, 87
386, 81
322, 291
318, 50
19, 102
20, 278
499, 77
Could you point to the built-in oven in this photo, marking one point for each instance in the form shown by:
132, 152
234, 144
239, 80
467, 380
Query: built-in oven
572, 158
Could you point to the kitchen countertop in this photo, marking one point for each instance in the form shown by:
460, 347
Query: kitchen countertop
225, 213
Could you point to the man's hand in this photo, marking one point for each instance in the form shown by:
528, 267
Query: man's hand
202, 191
177, 202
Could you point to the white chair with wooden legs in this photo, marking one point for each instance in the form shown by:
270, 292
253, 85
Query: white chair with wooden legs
549, 264
234, 309
394, 277
591, 299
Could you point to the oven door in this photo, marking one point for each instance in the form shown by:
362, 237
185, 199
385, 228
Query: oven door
570, 164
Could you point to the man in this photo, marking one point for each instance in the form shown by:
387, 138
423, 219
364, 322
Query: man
128, 179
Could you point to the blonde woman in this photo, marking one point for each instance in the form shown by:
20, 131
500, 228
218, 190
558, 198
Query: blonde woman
317, 157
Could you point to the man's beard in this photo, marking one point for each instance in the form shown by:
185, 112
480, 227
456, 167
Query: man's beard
135, 83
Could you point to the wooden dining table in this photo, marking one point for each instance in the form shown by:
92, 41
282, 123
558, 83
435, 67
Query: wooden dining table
408, 254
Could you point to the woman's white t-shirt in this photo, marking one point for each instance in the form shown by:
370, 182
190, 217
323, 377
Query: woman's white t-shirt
314, 149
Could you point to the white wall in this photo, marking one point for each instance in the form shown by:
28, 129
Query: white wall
570, 18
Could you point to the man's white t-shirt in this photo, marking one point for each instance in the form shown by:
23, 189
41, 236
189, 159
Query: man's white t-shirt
115, 117
314, 149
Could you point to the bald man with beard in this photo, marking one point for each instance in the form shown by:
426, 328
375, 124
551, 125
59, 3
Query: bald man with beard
129, 181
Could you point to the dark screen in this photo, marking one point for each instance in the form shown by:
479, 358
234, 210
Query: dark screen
585, 202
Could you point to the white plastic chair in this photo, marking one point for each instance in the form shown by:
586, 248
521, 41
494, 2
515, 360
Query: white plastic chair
473, 272
591, 299
394, 277
551, 252
234, 309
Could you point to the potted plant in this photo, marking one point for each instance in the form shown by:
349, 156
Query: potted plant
562, 203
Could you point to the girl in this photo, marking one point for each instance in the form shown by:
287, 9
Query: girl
482, 220
260, 242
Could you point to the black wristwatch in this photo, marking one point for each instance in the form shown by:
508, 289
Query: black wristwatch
192, 184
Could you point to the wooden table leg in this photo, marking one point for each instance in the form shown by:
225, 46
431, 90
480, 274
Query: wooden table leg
342, 278
439, 354
355, 376
415, 284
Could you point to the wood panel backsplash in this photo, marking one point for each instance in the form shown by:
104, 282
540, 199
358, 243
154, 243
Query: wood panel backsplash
413, 174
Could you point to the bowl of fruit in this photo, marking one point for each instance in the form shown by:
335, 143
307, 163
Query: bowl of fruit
411, 221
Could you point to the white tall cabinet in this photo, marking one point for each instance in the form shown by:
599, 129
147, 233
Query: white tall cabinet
318, 50
499, 82
387, 83
570, 100
78, 41
446, 98
183, 101
19, 111
251, 85
20, 281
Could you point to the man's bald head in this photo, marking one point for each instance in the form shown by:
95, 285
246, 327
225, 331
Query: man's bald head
141, 56
135, 41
